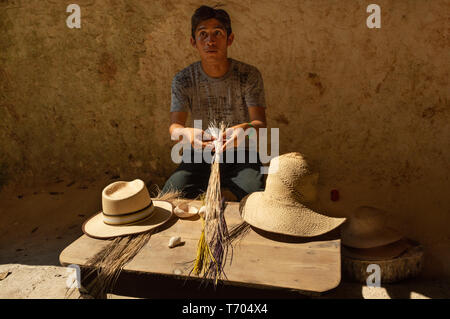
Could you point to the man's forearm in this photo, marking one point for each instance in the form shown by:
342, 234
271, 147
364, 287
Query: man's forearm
257, 124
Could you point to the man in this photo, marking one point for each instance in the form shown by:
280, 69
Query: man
217, 88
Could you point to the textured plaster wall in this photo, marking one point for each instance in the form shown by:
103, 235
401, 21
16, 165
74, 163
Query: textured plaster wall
369, 106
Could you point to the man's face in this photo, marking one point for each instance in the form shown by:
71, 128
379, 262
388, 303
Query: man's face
211, 40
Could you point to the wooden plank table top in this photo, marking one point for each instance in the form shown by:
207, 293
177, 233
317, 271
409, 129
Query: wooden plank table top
259, 258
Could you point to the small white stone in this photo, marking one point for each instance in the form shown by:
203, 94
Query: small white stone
174, 241
177, 272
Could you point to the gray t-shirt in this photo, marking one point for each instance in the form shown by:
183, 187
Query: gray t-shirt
218, 99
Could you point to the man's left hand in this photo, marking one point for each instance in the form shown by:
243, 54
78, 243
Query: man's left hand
234, 136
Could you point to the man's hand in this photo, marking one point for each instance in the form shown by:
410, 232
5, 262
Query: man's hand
198, 138
194, 136
234, 136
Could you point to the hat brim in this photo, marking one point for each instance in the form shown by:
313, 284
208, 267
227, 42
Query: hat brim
96, 228
287, 218
385, 252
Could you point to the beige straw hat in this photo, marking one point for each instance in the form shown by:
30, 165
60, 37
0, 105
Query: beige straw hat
127, 209
366, 228
281, 208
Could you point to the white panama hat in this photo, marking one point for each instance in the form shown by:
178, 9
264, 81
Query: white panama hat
127, 209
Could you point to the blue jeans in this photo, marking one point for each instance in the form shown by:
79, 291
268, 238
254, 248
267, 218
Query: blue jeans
239, 178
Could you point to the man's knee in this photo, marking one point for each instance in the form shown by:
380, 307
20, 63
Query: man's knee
188, 183
247, 181
250, 180
178, 181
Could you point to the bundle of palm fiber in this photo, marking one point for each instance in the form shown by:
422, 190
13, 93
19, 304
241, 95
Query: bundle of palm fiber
213, 245
109, 262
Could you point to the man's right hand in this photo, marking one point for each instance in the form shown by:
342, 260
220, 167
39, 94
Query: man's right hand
198, 138
194, 136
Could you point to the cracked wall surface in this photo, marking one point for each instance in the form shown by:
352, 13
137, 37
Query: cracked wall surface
369, 106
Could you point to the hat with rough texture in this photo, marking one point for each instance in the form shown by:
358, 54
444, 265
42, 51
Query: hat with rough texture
366, 228
282, 207
127, 209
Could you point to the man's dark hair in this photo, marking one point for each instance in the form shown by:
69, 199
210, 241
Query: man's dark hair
205, 13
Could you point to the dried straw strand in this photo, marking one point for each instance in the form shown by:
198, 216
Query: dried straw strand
109, 262
213, 244
238, 232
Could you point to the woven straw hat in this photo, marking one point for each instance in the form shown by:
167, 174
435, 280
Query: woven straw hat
366, 228
282, 207
127, 209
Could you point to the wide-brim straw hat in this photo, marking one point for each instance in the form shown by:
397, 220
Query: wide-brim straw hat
384, 252
127, 209
283, 206
367, 228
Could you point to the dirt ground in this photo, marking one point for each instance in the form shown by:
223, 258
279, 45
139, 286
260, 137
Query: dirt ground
37, 224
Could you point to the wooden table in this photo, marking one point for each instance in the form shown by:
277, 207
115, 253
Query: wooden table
260, 259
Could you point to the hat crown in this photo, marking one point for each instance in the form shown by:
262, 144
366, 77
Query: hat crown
367, 228
366, 219
290, 178
121, 198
